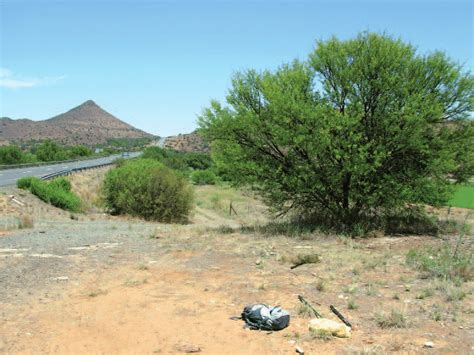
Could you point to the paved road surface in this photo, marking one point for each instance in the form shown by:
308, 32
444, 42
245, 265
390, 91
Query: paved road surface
10, 176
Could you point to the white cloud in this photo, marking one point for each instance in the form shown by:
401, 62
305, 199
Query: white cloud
10, 80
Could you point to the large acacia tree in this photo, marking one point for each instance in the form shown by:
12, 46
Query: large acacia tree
363, 127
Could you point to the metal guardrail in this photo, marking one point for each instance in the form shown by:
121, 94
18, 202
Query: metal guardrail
41, 163
27, 165
68, 172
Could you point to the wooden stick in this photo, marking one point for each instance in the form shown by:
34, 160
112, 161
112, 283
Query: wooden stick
306, 303
296, 265
231, 208
340, 316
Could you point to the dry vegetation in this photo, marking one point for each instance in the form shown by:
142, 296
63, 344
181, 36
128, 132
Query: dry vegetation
87, 186
191, 142
211, 268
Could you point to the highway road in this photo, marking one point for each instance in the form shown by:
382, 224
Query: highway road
10, 176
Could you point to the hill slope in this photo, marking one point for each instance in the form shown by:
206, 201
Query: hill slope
87, 124
190, 142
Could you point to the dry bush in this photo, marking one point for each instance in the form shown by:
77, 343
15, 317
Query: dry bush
25, 221
393, 319
87, 186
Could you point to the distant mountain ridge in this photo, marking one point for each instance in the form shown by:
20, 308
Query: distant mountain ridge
87, 124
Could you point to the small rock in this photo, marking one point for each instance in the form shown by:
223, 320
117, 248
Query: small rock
60, 278
330, 326
189, 349
292, 342
258, 262
429, 344
299, 350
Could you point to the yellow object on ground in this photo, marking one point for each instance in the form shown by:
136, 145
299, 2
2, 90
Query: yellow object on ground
330, 326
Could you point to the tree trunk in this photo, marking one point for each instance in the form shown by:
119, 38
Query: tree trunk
346, 183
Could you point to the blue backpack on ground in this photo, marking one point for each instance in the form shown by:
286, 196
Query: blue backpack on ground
263, 317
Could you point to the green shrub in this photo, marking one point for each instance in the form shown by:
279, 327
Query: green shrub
119, 162
57, 192
203, 177
179, 160
25, 182
61, 183
394, 319
442, 263
145, 188
50, 151
12, 154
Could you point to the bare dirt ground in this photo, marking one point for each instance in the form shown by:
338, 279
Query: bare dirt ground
105, 284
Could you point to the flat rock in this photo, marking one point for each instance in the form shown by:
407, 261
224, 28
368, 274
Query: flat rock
188, 348
330, 326
60, 278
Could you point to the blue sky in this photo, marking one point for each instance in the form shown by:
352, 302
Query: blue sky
156, 64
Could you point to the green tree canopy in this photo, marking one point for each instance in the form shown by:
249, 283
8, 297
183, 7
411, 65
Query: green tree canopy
50, 151
12, 154
360, 129
80, 151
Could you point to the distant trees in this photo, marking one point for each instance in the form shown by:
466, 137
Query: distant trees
12, 154
179, 160
80, 151
43, 152
354, 133
50, 151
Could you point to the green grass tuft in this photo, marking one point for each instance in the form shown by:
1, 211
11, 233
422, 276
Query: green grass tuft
393, 319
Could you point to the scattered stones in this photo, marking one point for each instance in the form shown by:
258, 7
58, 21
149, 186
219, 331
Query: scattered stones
429, 344
46, 256
95, 246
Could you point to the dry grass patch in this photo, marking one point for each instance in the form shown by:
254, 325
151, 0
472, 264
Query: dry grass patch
25, 221
87, 185
393, 319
